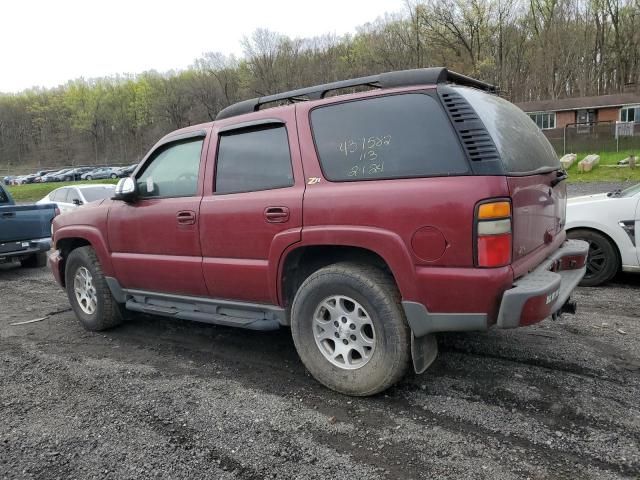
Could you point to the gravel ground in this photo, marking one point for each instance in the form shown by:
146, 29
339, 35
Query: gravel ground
160, 398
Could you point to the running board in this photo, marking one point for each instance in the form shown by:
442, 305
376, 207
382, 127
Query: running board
253, 316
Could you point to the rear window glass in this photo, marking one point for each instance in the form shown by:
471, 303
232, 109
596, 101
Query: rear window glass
522, 146
398, 136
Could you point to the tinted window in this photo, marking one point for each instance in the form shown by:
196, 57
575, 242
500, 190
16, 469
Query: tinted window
173, 171
386, 137
3, 196
522, 146
254, 160
97, 193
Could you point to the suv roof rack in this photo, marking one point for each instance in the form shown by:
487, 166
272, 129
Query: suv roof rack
400, 78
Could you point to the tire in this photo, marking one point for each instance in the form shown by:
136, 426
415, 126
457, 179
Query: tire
37, 260
353, 290
88, 177
107, 313
67, 179
602, 262
113, 175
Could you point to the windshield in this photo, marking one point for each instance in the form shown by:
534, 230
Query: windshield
631, 191
92, 194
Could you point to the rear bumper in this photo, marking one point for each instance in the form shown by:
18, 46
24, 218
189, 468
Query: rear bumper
30, 247
531, 298
546, 289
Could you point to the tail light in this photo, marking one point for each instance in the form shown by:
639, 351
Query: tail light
493, 234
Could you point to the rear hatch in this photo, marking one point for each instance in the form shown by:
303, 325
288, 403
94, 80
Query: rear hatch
534, 177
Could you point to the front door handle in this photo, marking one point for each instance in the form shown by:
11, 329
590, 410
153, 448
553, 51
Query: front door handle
8, 214
276, 214
186, 217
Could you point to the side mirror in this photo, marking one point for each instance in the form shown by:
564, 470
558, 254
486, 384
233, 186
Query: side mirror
77, 202
125, 190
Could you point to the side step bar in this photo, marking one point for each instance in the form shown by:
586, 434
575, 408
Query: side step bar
253, 316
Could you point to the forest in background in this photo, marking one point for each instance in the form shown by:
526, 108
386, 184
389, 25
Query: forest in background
532, 49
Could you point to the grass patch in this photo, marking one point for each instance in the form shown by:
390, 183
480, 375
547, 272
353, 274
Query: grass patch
602, 173
32, 192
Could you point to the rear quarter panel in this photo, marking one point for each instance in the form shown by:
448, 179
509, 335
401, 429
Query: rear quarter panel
391, 217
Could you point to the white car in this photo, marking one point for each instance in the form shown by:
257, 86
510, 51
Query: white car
70, 198
610, 222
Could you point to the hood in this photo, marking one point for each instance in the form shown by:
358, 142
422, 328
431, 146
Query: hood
598, 197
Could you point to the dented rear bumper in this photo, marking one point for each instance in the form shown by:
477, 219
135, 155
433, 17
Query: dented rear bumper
544, 291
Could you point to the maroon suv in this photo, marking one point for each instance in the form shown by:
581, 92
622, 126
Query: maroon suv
365, 221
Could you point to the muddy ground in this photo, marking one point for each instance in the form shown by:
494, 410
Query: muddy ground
161, 398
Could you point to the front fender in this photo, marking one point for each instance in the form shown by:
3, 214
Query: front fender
92, 235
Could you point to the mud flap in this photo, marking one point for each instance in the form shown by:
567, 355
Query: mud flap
424, 351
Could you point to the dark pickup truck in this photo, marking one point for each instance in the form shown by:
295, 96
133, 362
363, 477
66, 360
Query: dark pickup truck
25, 231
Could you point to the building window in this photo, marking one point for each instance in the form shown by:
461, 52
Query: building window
544, 120
630, 114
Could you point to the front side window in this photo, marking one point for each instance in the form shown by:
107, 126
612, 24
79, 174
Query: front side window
60, 195
397, 136
73, 196
253, 160
4, 198
544, 120
172, 171
630, 114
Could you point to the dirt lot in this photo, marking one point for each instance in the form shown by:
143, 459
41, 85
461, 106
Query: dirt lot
160, 398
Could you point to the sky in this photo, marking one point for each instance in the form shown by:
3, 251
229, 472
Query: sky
45, 43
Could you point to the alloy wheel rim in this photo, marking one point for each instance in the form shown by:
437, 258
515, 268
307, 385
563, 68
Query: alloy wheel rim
596, 260
344, 332
85, 290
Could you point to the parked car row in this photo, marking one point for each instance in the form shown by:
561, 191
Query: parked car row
70, 174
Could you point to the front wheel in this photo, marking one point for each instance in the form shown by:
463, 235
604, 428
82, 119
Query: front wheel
88, 177
602, 259
113, 175
349, 329
88, 292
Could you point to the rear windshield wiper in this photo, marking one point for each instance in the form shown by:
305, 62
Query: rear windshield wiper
560, 176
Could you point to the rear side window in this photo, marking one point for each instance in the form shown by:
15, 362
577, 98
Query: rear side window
4, 198
253, 160
398, 136
523, 148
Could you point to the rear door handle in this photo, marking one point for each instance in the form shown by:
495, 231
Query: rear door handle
276, 214
186, 217
8, 214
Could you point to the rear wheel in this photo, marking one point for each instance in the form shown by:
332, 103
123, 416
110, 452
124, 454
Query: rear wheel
113, 175
349, 329
88, 292
602, 260
88, 177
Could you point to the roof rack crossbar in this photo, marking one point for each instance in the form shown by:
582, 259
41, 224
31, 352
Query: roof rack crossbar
401, 78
